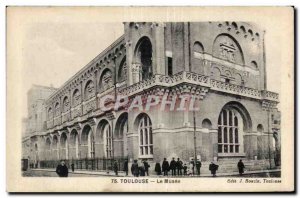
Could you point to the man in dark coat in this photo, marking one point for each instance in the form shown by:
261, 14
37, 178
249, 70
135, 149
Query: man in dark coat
62, 170
157, 169
72, 167
126, 167
241, 167
173, 166
135, 169
198, 166
213, 168
116, 167
165, 167
146, 166
179, 166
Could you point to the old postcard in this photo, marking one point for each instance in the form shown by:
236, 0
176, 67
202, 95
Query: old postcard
150, 99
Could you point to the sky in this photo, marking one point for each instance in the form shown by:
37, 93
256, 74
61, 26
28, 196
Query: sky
55, 48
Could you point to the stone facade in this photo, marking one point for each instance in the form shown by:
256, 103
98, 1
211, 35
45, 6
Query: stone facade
222, 63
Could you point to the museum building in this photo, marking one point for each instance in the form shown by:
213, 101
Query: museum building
222, 63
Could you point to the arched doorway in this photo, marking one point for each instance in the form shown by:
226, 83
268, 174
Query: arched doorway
143, 57
105, 139
233, 122
55, 148
120, 136
48, 149
74, 143
87, 143
63, 146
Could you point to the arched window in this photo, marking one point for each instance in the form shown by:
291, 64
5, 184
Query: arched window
260, 128
50, 113
254, 65
122, 74
198, 48
89, 90
216, 73
66, 104
230, 127
76, 97
145, 136
143, 57
198, 58
106, 80
206, 123
57, 109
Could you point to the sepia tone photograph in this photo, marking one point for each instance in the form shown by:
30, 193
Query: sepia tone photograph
150, 104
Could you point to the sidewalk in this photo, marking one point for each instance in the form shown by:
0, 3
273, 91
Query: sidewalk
122, 174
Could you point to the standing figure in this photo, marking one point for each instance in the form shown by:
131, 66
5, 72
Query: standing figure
72, 167
173, 166
165, 167
185, 169
179, 166
135, 169
213, 168
126, 167
146, 166
141, 169
192, 165
157, 168
62, 169
116, 167
198, 166
241, 167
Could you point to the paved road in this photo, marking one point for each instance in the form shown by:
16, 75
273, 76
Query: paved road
37, 173
42, 173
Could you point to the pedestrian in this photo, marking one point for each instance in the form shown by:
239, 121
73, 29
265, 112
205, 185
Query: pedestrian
157, 168
179, 166
198, 166
126, 167
146, 167
165, 167
62, 169
72, 167
135, 169
213, 168
241, 167
192, 165
173, 166
142, 171
185, 169
116, 167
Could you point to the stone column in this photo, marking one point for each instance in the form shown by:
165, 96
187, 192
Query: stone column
213, 136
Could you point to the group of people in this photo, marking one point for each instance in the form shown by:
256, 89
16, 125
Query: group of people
138, 169
142, 169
